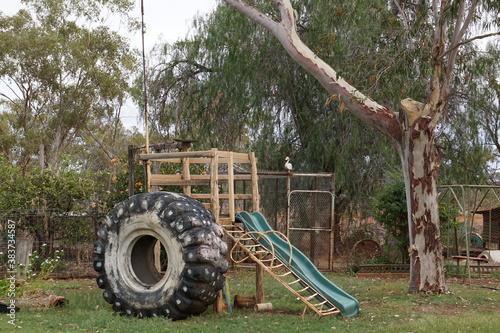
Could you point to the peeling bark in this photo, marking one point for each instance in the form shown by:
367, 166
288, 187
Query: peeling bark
420, 169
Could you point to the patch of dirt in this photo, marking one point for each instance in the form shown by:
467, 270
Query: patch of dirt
39, 298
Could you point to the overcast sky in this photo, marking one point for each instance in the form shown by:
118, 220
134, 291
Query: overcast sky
165, 20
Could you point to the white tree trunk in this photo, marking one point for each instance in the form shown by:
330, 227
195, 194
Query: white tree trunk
418, 159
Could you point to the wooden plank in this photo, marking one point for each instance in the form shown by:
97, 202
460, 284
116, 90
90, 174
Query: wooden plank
178, 182
223, 177
198, 160
182, 154
201, 160
223, 155
230, 182
214, 184
223, 196
200, 177
236, 156
167, 177
186, 176
255, 183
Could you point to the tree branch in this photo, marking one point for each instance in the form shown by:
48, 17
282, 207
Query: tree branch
254, 14
403, 16
461, 27
379, 117
469, 41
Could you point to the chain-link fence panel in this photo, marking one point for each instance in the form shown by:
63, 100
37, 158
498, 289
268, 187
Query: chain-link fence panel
310, 223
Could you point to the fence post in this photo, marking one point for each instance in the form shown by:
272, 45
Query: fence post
24, 247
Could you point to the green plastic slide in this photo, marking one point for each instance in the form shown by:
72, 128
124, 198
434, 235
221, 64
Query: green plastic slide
299, 264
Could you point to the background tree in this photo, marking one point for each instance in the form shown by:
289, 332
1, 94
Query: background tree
60, 75
412, 129
468, 135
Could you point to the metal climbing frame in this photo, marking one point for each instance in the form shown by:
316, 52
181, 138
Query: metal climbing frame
476, 205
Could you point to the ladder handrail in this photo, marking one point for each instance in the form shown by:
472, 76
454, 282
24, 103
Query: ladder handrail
305, 287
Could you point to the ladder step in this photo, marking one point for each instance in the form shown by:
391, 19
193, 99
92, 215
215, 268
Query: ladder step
329, 311
302, 290
308, 298
293, 282
320, 304
285, 274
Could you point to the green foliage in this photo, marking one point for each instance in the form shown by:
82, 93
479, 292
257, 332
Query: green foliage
52, 194
471, 141
61, 75
206, 87
391, 211
42, 265
65, 190
118, 192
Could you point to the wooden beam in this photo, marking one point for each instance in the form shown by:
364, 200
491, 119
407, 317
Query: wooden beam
214, 184
223, 196
255, 183
187, 154
180, 182
230, 182
185, 171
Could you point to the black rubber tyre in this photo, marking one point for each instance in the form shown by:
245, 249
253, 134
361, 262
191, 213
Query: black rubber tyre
127, 258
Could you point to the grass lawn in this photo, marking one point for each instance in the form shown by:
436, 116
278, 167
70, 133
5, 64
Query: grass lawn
385, 307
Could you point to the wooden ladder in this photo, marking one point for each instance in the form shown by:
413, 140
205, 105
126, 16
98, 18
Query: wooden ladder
246, 246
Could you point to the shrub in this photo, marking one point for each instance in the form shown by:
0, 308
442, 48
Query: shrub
390, 210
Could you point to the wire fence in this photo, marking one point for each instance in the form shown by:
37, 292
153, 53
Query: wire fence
48, 233
476, 226
300, 207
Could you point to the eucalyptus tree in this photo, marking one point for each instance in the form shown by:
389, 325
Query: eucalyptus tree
411, 129
61, 67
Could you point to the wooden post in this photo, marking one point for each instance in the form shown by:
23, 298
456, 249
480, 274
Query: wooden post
156, 166
332, 224
131, 169
147, 175
24, 247
185, 171
255, 183
219, 302
313, 225
259, 283
214, 185
288, 189
230, 186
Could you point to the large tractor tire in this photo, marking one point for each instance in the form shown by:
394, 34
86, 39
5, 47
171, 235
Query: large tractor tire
160, 254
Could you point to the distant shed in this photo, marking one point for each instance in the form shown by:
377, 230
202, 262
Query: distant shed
491, 227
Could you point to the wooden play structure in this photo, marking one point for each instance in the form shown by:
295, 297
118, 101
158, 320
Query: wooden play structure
218, 177
226, 182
